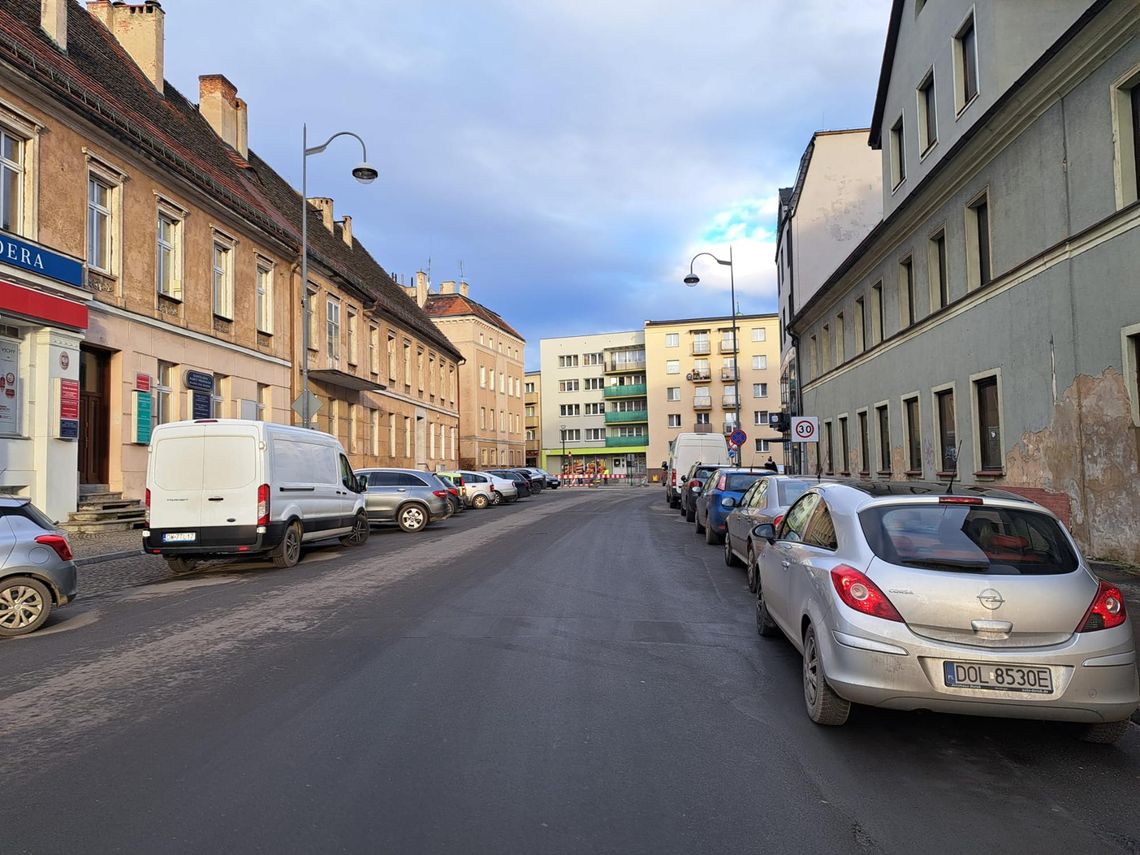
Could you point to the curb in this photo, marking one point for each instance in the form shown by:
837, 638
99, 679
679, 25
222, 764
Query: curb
107, 556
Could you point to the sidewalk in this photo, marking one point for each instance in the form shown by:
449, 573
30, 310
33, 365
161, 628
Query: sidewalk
94, 548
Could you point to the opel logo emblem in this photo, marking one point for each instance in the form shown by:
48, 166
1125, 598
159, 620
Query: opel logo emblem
991, 599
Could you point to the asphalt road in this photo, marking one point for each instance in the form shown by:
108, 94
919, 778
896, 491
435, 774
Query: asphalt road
578, 673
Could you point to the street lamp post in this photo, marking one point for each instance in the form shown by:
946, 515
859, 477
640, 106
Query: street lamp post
365, 174
691, 280
564, 467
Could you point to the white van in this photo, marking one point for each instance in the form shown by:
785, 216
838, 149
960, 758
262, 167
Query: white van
687, 449
218, 487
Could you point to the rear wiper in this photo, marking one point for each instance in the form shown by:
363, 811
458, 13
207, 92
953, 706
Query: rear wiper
948, 564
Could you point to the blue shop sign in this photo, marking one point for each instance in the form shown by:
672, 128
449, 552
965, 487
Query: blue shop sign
199, 381
200, 405
29, 256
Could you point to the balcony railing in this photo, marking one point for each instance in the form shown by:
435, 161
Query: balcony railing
614, 366
630, 390
699, 376
728, 402
702, 427
727, 346
627, 416
701, 348
702, 402
728, 374
626, 441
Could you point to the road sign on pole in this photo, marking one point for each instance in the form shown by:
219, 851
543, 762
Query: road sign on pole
299, 405
738, 437
805, 429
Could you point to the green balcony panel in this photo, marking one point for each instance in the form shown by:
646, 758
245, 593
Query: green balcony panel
632, 390
626, 441
629, 416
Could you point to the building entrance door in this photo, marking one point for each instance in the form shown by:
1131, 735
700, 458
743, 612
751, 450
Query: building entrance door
94, 413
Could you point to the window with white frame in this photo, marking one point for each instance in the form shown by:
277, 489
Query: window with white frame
759, 334
572, 435
351, 337
264, 402
529, 387
391, 359
594, 383
99, 234
673, 393
673, 366
570, 361
763, 446
674, 420
595, 409
374, 432
218, 396
168, 252
965, 65
595, 434
12, 165
332, 329
1130, 352
759, 390
760, 363
570, 409
223, 277
482, 377
760, 417
374, 349
672, 339
593, 358
898, 153
927, 114
568, 385
978, 271
264, 284
164, 393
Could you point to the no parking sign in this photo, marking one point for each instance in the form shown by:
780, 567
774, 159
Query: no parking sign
805, 429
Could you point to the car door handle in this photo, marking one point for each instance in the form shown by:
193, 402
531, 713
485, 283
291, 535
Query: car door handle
401, 489
216, 499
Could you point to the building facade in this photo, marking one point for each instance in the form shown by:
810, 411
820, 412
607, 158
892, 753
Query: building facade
491, 430
700, 375
532, 416
595, 417
989, 327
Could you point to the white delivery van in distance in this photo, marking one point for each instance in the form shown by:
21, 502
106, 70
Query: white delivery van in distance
687, 449
218, 487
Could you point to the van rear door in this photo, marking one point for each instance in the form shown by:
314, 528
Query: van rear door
230, 477
176, 481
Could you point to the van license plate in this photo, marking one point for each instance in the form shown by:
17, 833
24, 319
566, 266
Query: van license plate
179, 537
999, 678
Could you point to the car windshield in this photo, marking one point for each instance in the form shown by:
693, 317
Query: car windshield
789, 491
739, 481
968, 539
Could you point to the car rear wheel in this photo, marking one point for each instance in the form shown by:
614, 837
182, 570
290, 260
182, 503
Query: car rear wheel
179, 566
711, 537
753, 571
824, 706
697, 527
691, 513
1105, 733
765, 626
24, 606
360, 531
413, 517
480, 501
496, 497
288, 551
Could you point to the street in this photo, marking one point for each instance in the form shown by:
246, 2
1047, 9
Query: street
576, 673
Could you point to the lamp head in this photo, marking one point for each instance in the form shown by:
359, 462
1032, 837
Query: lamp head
365, 173
692, 279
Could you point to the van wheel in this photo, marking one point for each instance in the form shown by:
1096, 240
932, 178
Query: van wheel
180, 566
360, 531
412, 517
24, 606
479, 502
288, 551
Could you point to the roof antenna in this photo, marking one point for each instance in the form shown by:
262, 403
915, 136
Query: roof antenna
461, 270
954, 474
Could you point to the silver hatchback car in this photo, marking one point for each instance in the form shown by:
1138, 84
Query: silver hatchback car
36, 568
908, 596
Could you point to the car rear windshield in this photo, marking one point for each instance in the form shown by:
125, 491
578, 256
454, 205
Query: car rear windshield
36, 515
790, 491
739, 481
968, 539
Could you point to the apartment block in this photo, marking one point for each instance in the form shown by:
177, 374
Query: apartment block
532, 416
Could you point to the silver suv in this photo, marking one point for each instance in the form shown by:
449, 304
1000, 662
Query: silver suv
407, 497
908, 596
37, 571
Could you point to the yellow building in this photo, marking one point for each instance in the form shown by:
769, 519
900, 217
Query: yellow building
532, 416
699, 379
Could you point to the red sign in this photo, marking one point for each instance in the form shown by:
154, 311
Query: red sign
44, 307
69, 399
142, 382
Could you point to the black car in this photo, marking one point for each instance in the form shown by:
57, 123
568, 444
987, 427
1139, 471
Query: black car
693, 484
535, 481
521, 482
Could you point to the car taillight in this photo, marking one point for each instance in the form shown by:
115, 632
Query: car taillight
263, 505
776, 522
960, 500
146, 516
57, 542
673, 478
440, 493
1107, 610
863, 595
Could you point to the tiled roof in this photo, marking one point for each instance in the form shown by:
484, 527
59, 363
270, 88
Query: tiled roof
98, 79
457, 306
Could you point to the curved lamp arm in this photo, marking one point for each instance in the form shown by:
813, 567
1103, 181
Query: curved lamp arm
710, 255
317, 149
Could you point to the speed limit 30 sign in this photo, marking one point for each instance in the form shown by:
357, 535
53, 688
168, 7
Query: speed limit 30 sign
805, 429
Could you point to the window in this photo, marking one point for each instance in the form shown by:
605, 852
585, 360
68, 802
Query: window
594, 383
927, 114
570, 361
98, 222
164, 393
760, 363
978, 242
1130, 346
529, 387
218, 396
864, 447
673, 393
827, 438
700, 369
825, 352
351, 337
913, 435
333, 407
763, 446
947, 432
936, 270
391, 357
572, 435
374, 349
482, 377
883, 417
593, 358
965, 65
840, 348
906, 293
673, 366
700, 342
674, 420
264, 402
570, 409
391, 435
568, 386
482, 418
407, 436
843, 446
332, 330
814, 368
727, 341
530, 435
595, 409
988, 423
672, 339
877, 331
1126, 137
759, 390
12, 150
168, 272
264, 308
898, 154
861, 336
821, 529
353, 413
703, 419
759, 334
760, 417
223, 273
529, 411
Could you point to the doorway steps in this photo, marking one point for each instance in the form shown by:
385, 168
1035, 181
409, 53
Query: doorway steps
104, 511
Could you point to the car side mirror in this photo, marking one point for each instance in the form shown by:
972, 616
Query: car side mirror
766, 531
684, 478
361, 484
728, 502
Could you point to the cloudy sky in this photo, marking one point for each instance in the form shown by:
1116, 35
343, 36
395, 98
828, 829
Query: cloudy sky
569, 156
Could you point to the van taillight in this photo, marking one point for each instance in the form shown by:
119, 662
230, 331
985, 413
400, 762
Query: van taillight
673, 477
263, 505
146, 516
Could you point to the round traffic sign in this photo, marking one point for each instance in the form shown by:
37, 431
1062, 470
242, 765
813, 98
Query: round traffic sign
738, 437
805, 429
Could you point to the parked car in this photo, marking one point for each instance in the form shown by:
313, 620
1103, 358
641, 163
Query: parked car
410, 498
684, 451
502, 489
476, 489
720, 494
522, 483
536, 481
453, 482
541, 474
226, 487
37, 573
691, 486
552, 481
766, 501
911, 596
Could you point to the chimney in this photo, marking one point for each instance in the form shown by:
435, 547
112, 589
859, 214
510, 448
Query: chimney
346, 230
421, 288
53, 19
225, 111
447, 287
138, 28
464, 288
325, 205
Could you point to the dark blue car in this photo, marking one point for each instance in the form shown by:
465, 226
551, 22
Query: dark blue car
721, 493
